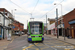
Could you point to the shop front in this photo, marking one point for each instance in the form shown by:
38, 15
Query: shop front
1, 33
72, 29
52, 28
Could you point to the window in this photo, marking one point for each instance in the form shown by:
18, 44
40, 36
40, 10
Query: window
0, 30
36, 28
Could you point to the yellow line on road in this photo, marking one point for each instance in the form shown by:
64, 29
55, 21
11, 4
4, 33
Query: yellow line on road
30, 46
67, 49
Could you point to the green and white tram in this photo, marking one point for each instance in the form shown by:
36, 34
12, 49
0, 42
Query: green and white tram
35, 31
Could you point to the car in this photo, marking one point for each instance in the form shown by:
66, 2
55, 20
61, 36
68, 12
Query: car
18, 33
22, 33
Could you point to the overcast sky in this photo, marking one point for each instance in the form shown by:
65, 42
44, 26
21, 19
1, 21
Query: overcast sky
39, 13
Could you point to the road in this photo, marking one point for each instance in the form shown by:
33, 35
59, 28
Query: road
21, 43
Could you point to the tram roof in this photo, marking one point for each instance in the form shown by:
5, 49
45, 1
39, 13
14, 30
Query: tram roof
36, 21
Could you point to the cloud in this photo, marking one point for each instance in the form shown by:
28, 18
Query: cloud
23, 14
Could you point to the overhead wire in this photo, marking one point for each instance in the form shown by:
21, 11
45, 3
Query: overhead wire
19, 7
52, 9
35, 6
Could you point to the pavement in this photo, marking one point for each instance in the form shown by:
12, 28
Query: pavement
70, 41
4, 42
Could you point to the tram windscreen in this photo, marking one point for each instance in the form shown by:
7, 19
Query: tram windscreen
36, 28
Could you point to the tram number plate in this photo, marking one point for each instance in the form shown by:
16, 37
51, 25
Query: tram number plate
36, 36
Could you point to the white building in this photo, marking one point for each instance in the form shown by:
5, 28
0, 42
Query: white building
5, 23
52, 29
1, 25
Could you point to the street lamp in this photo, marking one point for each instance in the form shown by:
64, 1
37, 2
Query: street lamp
61, 7
61, 18
13, 13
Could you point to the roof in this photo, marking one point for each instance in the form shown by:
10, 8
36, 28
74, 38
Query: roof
37, 21
51, 19
67, 13
2, 10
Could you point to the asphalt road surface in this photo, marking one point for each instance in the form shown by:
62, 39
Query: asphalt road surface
21, 43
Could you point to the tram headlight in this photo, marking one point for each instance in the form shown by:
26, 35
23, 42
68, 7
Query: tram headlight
29, 36
42, 35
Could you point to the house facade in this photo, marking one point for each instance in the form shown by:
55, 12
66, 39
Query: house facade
5, 21
17, 26
1, 25
66, 24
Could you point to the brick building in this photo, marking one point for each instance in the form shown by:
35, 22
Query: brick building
17, 26
67, 22
21, 27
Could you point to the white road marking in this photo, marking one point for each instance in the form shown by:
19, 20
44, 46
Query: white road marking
24, 47
51, 47
30, 44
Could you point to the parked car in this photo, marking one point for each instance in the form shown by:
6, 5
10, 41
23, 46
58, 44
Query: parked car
23, 33
18, 33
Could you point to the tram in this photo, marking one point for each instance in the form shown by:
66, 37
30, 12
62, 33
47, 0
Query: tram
35, 31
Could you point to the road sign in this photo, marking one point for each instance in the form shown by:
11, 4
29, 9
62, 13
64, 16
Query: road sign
13, 27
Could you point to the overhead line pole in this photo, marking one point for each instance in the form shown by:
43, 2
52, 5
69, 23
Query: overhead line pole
57, 22
46, 24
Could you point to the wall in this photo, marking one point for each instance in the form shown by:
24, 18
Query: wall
1, 19
68, 17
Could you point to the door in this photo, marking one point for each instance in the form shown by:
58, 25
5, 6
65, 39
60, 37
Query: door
72, 33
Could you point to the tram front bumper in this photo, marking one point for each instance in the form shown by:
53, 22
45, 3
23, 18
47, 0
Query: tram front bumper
36, 39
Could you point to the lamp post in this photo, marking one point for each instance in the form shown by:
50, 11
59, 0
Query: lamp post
46, 24
57, 23
62, 21
61, 17
13, 13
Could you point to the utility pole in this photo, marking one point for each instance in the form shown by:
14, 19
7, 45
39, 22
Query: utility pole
46, 24
57, 22
3, 23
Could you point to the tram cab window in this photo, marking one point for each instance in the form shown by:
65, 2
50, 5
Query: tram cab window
36, 28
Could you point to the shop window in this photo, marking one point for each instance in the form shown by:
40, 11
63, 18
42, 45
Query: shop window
0, 30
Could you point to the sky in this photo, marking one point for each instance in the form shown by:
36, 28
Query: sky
38, 8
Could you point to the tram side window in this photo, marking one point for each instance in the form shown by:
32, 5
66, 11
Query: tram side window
40, 28
0, 30
28, 31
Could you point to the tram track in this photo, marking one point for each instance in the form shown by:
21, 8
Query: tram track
49, 46
37, 46
43, 44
